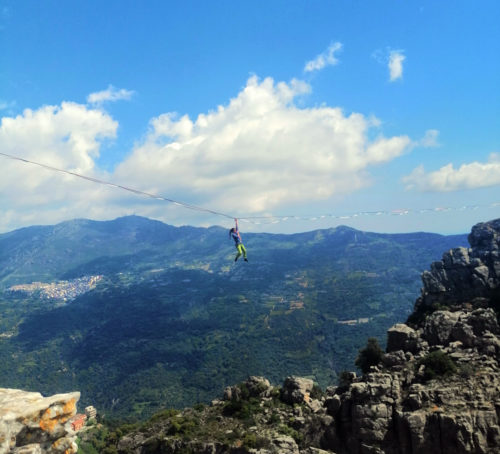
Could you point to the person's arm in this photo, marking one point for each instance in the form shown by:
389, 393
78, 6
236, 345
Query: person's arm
237, 230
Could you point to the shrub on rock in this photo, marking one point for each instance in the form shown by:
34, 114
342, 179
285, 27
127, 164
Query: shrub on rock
369, 356
437, 364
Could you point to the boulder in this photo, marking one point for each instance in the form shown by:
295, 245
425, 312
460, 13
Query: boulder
485, 237
258, 386
31, 423
463, 332
438, 327
252, 387
482, 320
401, 337
296, 390
285, 445
458, 257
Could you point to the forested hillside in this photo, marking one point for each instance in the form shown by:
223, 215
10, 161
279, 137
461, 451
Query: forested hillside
170, 319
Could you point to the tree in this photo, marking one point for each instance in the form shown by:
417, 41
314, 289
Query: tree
369, 356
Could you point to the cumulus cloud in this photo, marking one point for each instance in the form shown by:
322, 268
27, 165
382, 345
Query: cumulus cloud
448, 178
393, 59
66, 136
395, 65
260, 152
327, 58
110, 94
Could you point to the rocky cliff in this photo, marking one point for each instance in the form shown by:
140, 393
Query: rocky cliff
33, 424
465, 277
436, 389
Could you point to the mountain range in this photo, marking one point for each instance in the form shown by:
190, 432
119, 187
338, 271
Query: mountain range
434, 390
169, 318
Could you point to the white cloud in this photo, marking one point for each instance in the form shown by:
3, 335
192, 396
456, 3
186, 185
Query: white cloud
430, 140
327, 58
395, 64
447, 178
110, 94
66, 136
260, 152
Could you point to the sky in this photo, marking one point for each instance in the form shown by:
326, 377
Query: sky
291, 116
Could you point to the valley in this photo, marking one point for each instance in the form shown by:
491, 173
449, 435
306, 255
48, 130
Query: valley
171, 319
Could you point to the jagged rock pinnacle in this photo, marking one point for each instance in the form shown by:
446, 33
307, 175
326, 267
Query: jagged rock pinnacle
464, 276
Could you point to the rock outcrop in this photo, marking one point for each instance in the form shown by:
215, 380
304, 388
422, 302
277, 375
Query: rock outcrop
297, 390
252, 416
436, 390
32, 424
465, 276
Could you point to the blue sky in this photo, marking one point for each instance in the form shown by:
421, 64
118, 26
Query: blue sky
323, 109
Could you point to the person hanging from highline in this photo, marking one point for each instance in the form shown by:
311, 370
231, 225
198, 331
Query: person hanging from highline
234, 233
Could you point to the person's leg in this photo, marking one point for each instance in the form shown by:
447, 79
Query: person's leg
244, 251
238, 255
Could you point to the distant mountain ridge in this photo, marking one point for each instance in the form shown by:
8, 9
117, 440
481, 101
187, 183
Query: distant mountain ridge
173, 318
50, 251
55, 252
435, 390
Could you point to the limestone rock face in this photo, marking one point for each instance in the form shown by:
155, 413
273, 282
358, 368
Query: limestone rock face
297, 390
465, 275
436, 390
252, 387
401, 337
397, 411
32, 424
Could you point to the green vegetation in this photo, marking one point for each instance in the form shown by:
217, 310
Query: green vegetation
466, 370
242, 405
164, 414
345, 379
369, 356
253, 441
245, 422
96, 441
174, 320
242, 409
287, 430
437, 364
182, 427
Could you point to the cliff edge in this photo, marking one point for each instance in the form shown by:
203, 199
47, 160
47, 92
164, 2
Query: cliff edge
436, 389
33, 424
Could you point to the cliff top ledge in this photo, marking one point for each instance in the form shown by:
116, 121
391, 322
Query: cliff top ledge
31, 423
